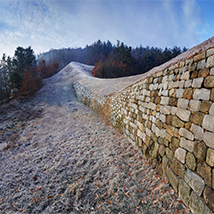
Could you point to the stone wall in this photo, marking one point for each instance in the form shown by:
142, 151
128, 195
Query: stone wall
169, 116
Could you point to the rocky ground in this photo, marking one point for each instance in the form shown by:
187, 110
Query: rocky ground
58, 156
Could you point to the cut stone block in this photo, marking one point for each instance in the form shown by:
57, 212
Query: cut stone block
208, 138
195, 182
179, 93
201, 64
196, 204
209, 197
197, 131
185, 76
183, 103
186, 133
194, 105
173, 179
211, 110
199, 150
210, 62
210, 157
208, 123
201, 94
210, 52
184, 192
209, 82
205, 172
187, 144
164, 101
197, 82
180, 154
191, 161
183, 114
188, 83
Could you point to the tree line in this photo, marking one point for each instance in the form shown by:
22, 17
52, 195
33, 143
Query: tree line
22, 73
113, 61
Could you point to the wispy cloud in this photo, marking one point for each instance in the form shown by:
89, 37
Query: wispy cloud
46, 24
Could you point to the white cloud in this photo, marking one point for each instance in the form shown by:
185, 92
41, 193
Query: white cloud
46, 24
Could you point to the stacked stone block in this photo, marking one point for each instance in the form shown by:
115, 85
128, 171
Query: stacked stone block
170, 117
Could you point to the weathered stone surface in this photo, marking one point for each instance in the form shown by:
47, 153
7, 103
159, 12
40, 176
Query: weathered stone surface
212, 71
191, 161
151, 106
195, 182
162, 150
199, 57
211, 109
213, 178
209, 197
157, 100
185, 133
197, 131
197, 82
172, 131
185, 75
180, 154
188, 126
175, 142
205, 172
194, 73
208, 138
169, 154
210, 157
184, 192
210, 52
178, 168
187, 144
183, 114
209, 82
165, 163
163, 118
168, 137
203, 72
207, 210
194, 105
183, 103
188, 83
165, 109
168, 119
212, 95
201, 64
197, 118
155, 150
172, 178
199, 150
176, 122
173, 101
196, 204
188, 93
205, 106
148, 141
201, 94
179, 92
210, 62
173, 110
208, 123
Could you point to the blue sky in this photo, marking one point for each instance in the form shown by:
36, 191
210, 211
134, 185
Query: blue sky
46, 24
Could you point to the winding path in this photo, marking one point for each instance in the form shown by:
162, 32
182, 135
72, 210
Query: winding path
68, 160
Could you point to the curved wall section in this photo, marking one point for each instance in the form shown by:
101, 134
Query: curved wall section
168, 113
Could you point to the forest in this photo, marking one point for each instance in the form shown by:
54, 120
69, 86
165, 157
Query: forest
112, 61
23, 73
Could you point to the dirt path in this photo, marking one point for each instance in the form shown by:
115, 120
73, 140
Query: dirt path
58, 156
